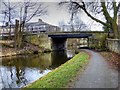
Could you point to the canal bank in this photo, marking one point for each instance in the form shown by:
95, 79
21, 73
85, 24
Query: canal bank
18, 71
32, 44
35, 44
62, 75
29, 48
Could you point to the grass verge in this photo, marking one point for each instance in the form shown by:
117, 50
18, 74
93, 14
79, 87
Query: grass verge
61, 76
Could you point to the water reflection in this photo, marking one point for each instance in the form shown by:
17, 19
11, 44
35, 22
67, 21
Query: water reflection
19, 71
58, 58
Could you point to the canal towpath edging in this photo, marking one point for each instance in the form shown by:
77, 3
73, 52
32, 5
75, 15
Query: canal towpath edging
98, 74
62, 75
28, 49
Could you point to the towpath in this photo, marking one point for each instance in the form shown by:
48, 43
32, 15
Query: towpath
98, 74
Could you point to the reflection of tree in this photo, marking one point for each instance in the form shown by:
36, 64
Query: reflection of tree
17, 66
20, 72
11, 75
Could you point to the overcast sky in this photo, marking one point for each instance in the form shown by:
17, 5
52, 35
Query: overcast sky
57, 14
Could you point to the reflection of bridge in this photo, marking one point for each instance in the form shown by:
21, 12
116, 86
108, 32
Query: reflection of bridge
59, 40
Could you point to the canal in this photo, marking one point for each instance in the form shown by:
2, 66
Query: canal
16, 72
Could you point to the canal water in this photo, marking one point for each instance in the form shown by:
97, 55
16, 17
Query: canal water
16, 72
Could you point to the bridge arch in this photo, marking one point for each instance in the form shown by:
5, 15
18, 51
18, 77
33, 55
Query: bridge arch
59, 40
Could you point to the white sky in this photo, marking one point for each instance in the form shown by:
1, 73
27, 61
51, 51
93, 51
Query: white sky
55, 0
56, 14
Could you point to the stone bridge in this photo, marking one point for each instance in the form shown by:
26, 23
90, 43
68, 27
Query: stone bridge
59, 40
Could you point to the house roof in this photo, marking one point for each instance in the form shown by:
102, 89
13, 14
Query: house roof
40, 22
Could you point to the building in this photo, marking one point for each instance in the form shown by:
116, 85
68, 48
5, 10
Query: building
41, 26
32, 27
6, 29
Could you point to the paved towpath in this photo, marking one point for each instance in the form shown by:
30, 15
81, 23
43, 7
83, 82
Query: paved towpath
98, 74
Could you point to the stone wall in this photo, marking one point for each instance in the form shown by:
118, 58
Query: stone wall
113, 45
76, 43
42, 40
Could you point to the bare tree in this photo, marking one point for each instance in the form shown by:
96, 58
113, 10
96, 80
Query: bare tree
104, 8
28, 10
9, 14
24, 12
61, 25
79, 24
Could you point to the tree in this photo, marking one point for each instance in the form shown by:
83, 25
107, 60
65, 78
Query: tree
78, 24
24, 12
9, 14
61, 25
28, 10
103, 8
16, 36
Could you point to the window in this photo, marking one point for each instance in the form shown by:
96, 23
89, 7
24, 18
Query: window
44, 27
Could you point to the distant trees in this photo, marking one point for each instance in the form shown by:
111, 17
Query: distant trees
78, 24
23, 12
75, 23
108, 9
9, 14
61, 24
28, 10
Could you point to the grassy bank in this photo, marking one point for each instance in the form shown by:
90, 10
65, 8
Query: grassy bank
61, 76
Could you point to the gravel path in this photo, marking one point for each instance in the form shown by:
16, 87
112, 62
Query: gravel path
97, 74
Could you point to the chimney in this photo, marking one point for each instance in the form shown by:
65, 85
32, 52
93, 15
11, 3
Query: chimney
39, 20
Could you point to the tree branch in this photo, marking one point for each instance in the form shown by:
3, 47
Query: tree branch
115, 11
35, 13
105, 12
92, 17
118, 7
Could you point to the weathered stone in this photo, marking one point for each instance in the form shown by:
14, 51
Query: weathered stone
113, 45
